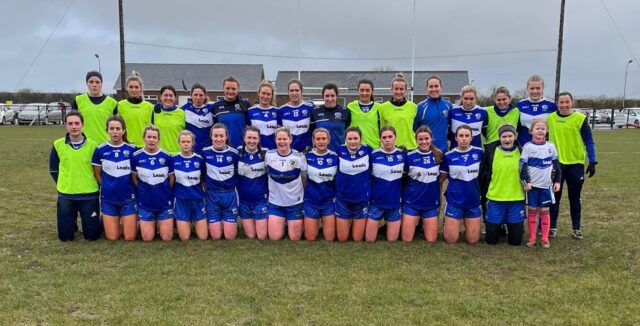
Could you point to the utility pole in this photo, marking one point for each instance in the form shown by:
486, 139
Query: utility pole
559, 60
122, 68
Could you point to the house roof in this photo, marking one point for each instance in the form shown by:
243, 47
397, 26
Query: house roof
156, 75
313, 81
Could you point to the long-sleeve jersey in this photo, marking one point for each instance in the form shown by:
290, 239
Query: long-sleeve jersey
221, 168
188, 171
199, 121
285, 177
462, 168
386, 177
266, 120
572, 136
434, 112
529, 111
298, 120
233, 115
422, 188
335, 120
476, 118
153, 170
401, 116
252, 176
115, 161
537, 164
353, 180
321, 174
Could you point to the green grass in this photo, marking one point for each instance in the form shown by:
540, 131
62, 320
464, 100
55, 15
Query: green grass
44, 281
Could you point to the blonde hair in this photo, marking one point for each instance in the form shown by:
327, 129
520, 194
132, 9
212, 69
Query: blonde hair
501, 90
283, 129
266, 83
468, 89
187, 133
135, 76
535, 122
399, 77
535, 78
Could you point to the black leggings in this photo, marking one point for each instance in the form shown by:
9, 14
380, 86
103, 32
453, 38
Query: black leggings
514, 233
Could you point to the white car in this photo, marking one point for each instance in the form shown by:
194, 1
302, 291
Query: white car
7, 115
631, 115
33, 112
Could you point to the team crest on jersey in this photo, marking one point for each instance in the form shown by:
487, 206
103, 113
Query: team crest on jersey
274, 114
161, 161
545, 107
292, 163
338, 115
196, 165
477, 115
126, 153
229, 159
399, 157
475, 156
205, 110
445, 113
360, 152
237, 106
305, 112
329, 161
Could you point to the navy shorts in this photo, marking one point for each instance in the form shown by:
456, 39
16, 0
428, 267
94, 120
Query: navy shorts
317, 211
127, 208
222, 206
421, 213
540, 197
389, 214
190, 210
148, 216
291, 213
257, 211
459, 213
346, 210
500, 212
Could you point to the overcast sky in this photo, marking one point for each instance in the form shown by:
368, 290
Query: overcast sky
500, 42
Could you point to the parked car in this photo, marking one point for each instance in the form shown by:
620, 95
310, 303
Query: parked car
55, 113
632, 115
6, 114
33, 112
605, 115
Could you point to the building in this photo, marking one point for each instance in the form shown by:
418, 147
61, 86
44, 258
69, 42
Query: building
183, 76
347, 81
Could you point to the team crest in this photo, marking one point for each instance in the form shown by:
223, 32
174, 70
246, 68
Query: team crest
360, 152
161, 161
229, 159
545, 107
305, 112
399, 157
196, 165
478, 115
292, 163
338, 115
475, 156
329, 161
126, 153
445, 113
237, 106
205, 110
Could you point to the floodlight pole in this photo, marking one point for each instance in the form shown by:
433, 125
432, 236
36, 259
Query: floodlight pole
122, 67
559, 59
99, 64
413, 50
624, 93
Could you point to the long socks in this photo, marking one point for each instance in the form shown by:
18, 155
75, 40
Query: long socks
545, 220
532, 219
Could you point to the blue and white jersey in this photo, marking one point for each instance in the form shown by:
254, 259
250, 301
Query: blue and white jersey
539, 159
199, 122
422, 189
321, 175
298, 120
529, 111
353, 180
475, 118
285, 177
386, 177
234, 116
462, 168
221, 168
153, 170
252, 176
335, 120
115, 161
188, 171
266, 120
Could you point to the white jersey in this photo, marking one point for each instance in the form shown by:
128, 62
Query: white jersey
539, 159
285, 177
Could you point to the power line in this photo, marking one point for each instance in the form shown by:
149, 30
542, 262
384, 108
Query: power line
45, 44
338, 58
619, 32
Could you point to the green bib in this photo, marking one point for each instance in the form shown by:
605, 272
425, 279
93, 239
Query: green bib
368, 122
170, 123
136, 117
495, 121
564, 132
505, 178
95, 116
401, 118
75, 172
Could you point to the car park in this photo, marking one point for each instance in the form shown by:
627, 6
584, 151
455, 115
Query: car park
7, 115
35, 113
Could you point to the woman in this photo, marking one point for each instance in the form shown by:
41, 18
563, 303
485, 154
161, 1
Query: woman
264, 116
434, 112
387, 167
231, 110
353, 186
112, 169
469, 114
169, 118
190, 209
460, 167
199, 117
331, 116
135, 111
221, 181
535, 106
252, 185
153, 178
70, 168
400, 113
500, 171
95, 107
286, 169
571, 134
421, 195
364, 114
502, 112
320, 192
296, 116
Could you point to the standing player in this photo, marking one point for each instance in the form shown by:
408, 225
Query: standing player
320, 192
364, 114
199, 117
331, 116
502, 112
252, 185
296, 116
421, 195
400, 113
353, 186
112, 168
461, 166
469, 114
387, 167
70, 168
188, 167
221, 180
571, 134
95, 107
231, 111
286, 169
434, 113
533, 107
169, 118
135, 111
152, 174
264, 116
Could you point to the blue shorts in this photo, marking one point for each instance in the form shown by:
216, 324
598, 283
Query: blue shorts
540, 197
421, 213
123, 209
389, 214
257, 211
190, 210
291, 213
460, 213
148, 216
500, 212
317, 211
346, 210
222, 206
